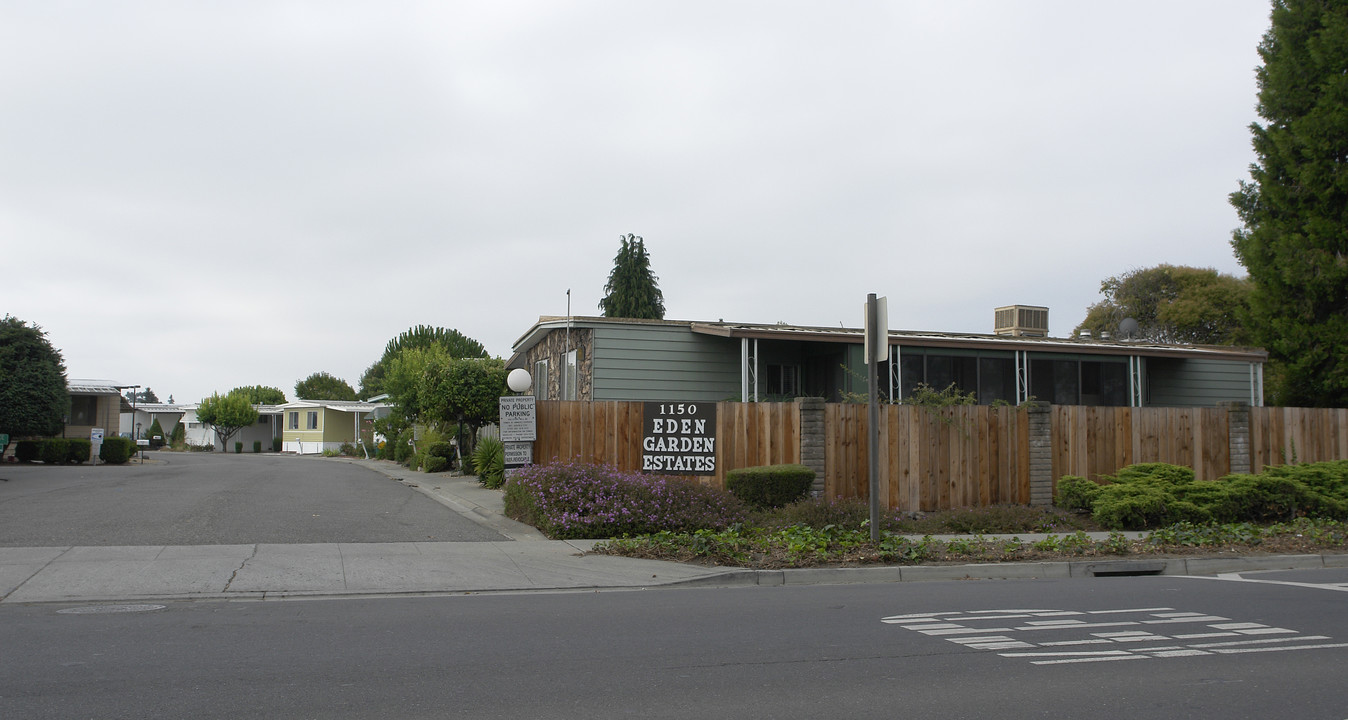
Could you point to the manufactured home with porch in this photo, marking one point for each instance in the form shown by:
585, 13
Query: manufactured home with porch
596, 358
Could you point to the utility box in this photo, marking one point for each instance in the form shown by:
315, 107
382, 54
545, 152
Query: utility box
1021, 321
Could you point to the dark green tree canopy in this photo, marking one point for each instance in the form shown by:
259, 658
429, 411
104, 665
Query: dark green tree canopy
144, 396
322, 386
1294, 209
454, 343
33, 397
1173, 304
632, 290
261, 394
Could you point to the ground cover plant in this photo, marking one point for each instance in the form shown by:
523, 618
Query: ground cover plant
1152, 495
671, 519
580, 500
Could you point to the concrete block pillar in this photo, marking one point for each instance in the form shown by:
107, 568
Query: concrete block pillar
812, 438
1238, 437
1041, 453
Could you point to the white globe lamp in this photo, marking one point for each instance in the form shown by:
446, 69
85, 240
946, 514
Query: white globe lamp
519, 380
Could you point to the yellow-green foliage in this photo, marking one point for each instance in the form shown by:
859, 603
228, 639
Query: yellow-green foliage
1155, 494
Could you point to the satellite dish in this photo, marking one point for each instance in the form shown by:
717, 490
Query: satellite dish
1128, 329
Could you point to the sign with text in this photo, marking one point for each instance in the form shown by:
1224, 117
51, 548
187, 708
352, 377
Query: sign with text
519, 419
679, 439
518, 454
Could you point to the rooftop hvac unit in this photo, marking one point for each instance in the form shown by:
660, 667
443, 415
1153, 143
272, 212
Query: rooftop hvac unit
1022, 321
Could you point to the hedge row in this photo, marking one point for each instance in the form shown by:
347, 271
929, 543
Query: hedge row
770, 486
1151, 495
60, 451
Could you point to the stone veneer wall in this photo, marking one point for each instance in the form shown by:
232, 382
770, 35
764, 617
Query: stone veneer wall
553, 349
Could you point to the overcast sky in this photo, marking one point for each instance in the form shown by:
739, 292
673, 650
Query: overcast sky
200, 195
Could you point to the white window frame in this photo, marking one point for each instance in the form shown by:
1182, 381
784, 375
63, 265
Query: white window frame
541, 379
311, 420
569, 386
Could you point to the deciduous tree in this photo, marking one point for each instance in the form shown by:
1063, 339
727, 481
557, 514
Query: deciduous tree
1294, 209
1173, 304
633, 290
262, 395
227, 414
33, 397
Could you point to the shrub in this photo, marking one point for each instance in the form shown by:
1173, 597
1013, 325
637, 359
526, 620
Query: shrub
1272, 497
1130, 506
26, 451
578, 500
347, 450
768, 486
257, 446
440, 450
238, 447
402, 448
1160, 473
155, 431
178, 437
1076, 493
78, 450
276, 444
52, 451
489, 461
116, 450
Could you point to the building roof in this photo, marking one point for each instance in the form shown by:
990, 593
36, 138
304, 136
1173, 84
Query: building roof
86, 386
901, 338
343, 405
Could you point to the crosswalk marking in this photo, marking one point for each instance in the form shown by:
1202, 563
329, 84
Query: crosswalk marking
1138, 635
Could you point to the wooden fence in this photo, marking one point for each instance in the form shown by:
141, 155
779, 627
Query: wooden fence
1279, 436
748, 434
930, 458
944, 458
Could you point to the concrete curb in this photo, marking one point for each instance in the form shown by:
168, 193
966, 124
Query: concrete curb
1013, 571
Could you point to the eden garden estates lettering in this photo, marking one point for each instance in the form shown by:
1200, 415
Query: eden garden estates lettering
679, 439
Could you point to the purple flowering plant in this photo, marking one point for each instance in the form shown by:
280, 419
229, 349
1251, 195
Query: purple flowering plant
571, 499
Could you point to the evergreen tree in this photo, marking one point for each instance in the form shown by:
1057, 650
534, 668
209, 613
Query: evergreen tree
33, 397
322, 386
632, 290
1295, 207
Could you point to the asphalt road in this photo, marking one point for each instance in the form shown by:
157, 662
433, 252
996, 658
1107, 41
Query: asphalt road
219, 499
1126, 648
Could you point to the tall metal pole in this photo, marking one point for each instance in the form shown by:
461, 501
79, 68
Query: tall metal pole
875, 341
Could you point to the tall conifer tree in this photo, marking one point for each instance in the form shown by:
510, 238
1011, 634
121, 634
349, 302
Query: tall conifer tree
1294, 242
632, 290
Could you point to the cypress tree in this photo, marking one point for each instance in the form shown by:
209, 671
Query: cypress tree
1294, 209
632, 290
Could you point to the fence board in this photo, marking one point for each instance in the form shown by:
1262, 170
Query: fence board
938, 458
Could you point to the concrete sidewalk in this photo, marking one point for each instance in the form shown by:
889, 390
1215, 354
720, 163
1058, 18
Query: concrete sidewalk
523, 561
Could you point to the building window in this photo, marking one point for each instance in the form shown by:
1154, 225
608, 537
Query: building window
294, 420
569, 387
541, 380
263, 419
781, 381
193, 426
83, 410
312, 420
